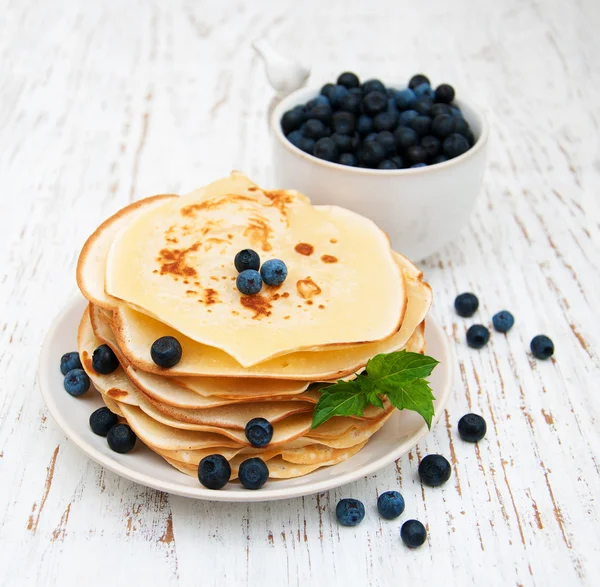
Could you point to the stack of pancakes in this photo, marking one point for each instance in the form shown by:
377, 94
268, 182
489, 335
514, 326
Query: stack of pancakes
164, 267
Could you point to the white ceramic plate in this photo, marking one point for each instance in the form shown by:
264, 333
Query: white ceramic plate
401, 433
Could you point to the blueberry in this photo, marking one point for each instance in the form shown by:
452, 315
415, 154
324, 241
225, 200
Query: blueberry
121, 438
385, 121
375, 102
444, 93
417, 165
249, 282
348, 80
455, 111
104, 360
345, 143
302, 109
259, 432
416, 154
390, 505
295, 137
70, 361
432, 145
472, 427
477, 336
371, 154
387, 164
373, 85
391, 107
76, 382
405, 137
102, 420
291, 120
503, 321
406, 116
421, 125
438, 109
417, 80
326, 149
398, 161
455, 145
356, 92
439, 159
214, 471
424, 106
370, 137
344, 122
336, 95
434, 470
424, 90
348, 159
405, 99
386, 139
466, 304
246, 259
364, 124
461, 126
350, 512
320, 100
322, 112
443, 125
274, 271
326, 89
166, 351
541, 347
307, 145
253, 473
351, 103
315, 129
413, 533
470, 137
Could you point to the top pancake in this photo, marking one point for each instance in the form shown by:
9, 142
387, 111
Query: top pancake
174, 262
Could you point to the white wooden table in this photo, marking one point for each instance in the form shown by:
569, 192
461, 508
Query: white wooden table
109, 101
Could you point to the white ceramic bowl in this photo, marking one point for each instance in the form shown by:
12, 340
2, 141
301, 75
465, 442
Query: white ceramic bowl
421, 209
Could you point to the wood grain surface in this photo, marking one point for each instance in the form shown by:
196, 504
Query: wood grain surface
105, 102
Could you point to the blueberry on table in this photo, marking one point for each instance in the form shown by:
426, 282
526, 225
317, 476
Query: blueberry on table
439, 159
322, 112
443, 125
249, 282
374, 103
343, 122
274, 271
70, 361
350, 512
351, 103
421, 125
348, 159
434, 470
166, 351
373, 85
387, 164
542, 347
398, 161
424, 90
246, 259
417, 165
503, 321
416, 154
104, 360
455, 145
424, 106
406, 116
121, 438
405, 99
326, 149
371, 154
364, 124
292, 120
413, 533
472, 427
444, 93
315, 129
259, 432
390, 505
253, 473
478, 336
405, 137
214, 471
76, 382
348, 80
466, 304
102, 420
387, 140
417, 80
432, 145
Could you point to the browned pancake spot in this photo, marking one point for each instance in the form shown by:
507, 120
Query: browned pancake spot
309, 302
329, 259
116, 393
307, 288
174, 262
213, 204
280, 200
214, 278
286, 317
259, 232
191, 292
87, 361
285, 294
304, 249
260, 305
211, 296
333, 241
321, 307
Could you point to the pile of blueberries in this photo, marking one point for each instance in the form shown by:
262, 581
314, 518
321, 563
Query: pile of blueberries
369, 125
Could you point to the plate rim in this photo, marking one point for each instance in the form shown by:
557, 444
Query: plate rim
243, 496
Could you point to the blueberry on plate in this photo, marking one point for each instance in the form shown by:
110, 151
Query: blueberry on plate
478, 336
386, 139
274, 271
406, 116
387, 164
348, 80
398, 161
444, 93
413, 533
104, 360
351, 103
348, 159
405, 137
350, 512
373, 85
322, 112
364, 124
443, 125
405, 99
315, 129
76, 382
421, 125
166, 351
417, 165
385, 120
102, 420
432, 146
542, 347
424, 106
416, 154
343, 122
121, 438
292, 120
214, 471
424, 90
259, 432
253, 473
466, 304
70, 361
371, 154
472, 427
455, 145
326, 149
503, 321
246, 259
390, 505
374, 103
249, 282
434, 470
417, 80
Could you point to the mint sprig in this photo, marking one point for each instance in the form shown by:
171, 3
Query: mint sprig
399, 376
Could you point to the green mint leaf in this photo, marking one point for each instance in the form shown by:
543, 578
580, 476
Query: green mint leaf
401, 364
344, 398
373, 398
371, 391
413, 395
